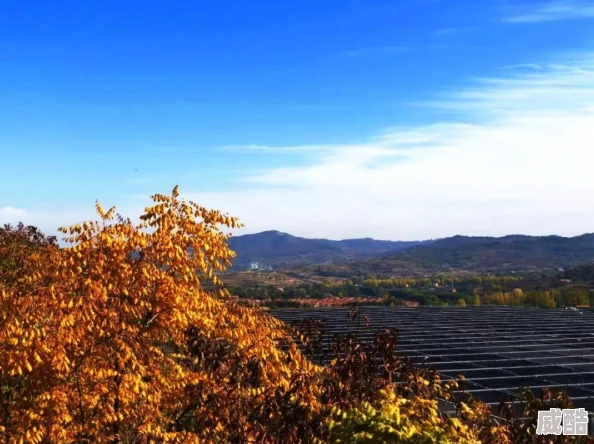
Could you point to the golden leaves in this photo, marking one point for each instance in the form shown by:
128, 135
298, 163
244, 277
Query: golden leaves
100, 210
98, 335
102, 314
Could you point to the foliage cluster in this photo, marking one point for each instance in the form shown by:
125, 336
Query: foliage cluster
20, 249
569, 297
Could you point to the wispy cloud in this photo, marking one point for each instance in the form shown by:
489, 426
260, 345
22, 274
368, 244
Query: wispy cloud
522, 166
11, 215
389, 50
534, 66
266, 149
556, 87
47, 221
546, 11
513, 154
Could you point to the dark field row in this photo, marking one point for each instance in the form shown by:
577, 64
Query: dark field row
497, 349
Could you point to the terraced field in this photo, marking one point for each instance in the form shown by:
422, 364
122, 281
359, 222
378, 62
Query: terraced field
497, 349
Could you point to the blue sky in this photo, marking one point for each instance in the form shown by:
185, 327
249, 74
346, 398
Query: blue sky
392, 119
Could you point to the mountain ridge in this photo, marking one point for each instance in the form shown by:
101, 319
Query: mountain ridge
281, 249
514, 252
506, 254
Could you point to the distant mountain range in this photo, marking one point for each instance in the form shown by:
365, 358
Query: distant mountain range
459, 253
276, 249
506, 254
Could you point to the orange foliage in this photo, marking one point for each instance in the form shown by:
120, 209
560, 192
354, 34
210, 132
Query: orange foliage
21, 250
100, 351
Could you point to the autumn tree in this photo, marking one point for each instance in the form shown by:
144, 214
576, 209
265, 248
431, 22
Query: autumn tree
127, 335
21, 249
114, 347
545, 299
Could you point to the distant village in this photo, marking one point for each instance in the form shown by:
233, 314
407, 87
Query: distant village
257, 266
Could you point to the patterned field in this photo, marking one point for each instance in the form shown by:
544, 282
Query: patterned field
497, 349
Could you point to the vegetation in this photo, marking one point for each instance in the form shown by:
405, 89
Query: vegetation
438, 290
584, 273
128, 336
21, 247
454, 255
283, 250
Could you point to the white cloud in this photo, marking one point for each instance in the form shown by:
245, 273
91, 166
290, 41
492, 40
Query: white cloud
523, 165
47, 221
514, 155
11, 215
546, 11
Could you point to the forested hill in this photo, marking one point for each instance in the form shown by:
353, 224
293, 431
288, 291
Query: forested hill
486, 254
278, 249
458, 253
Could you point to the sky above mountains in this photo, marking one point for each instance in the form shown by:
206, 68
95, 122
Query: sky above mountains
400, 120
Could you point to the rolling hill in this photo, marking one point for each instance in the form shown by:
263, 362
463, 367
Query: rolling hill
458, 254
515, 253
280, 250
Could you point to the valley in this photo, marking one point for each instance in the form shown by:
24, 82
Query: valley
535, 271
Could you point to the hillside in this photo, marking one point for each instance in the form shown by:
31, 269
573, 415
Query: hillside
506, 254
298, 260
583, 273
284, 250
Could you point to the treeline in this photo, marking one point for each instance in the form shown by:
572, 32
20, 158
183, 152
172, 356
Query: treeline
373, 287
312, 290
568, 297
563, 297
440, 291
443, 280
